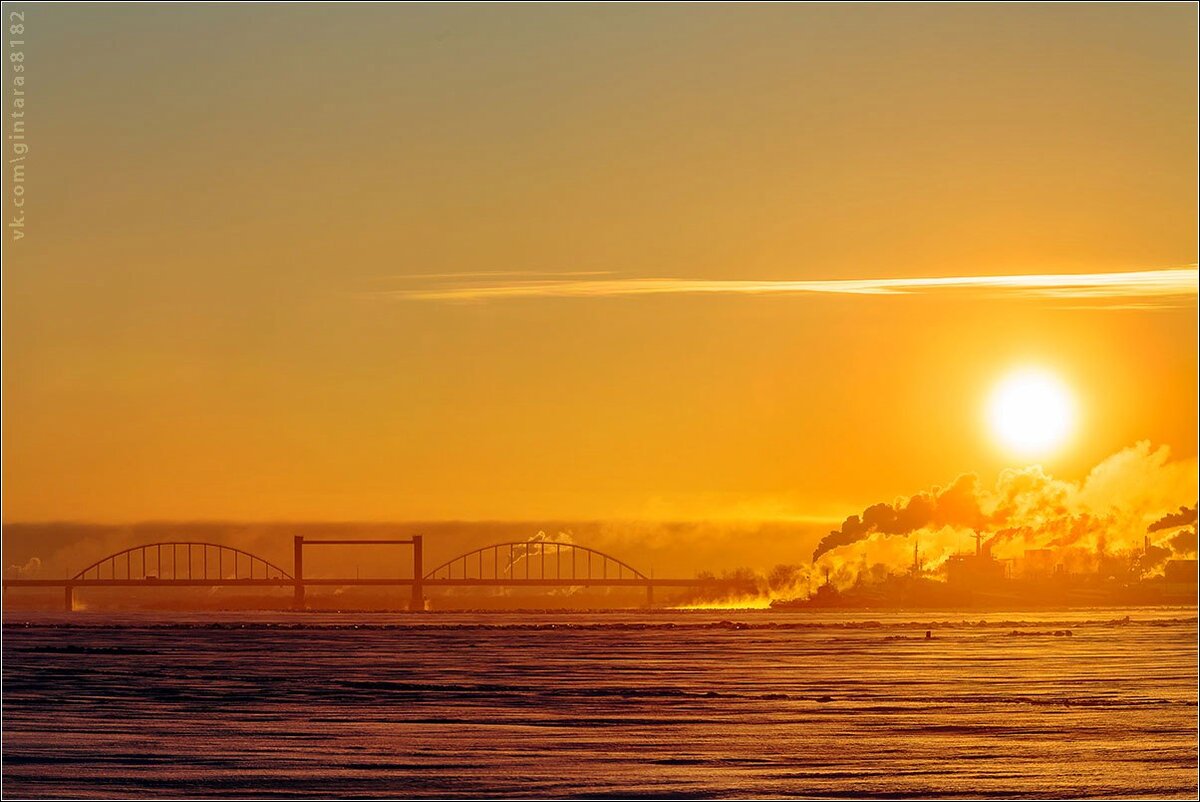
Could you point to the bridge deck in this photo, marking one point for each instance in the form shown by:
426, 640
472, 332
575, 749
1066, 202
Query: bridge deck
397, 582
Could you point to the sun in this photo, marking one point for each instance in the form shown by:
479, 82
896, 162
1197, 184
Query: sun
1031, 412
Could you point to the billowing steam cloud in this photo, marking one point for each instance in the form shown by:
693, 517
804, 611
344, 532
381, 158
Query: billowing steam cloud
1185, 517
1027, 517
1185, 543
27, 570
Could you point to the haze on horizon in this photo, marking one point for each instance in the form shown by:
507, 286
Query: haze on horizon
591, 262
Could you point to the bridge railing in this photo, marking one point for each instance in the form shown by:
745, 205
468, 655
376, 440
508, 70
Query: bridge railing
535, 560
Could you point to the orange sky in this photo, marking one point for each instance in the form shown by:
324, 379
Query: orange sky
230, 301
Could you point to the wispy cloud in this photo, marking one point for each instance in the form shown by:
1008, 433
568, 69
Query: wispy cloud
493, 275
1135, 287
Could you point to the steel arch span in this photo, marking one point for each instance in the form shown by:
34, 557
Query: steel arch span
535, 560
182, 560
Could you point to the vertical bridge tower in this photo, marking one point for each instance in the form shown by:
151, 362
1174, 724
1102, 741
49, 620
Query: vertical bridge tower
418, 590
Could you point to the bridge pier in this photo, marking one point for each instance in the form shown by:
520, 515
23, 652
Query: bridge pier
298, 572
418, 588
69, 598
649, 595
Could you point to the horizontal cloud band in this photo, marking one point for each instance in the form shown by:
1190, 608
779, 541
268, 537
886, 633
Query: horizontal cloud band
1135, 286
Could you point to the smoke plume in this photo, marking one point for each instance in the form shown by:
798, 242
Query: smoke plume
27, 570
957, 505
1185, 517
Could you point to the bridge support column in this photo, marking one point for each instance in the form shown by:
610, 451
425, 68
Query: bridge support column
418, 588
649, 595
69, 598
298, 572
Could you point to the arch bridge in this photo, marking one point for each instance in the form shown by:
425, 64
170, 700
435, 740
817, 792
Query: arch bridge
182, 559
519, 561
535, 563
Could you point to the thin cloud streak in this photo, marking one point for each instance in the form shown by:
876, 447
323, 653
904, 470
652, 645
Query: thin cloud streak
1147, 286
493, 274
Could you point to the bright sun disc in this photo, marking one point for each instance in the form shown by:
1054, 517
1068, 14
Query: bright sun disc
1031, 412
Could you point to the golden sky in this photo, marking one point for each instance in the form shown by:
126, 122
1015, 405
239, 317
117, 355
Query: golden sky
414, 262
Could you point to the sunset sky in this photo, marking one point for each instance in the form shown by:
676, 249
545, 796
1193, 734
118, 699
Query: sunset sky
515, 262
